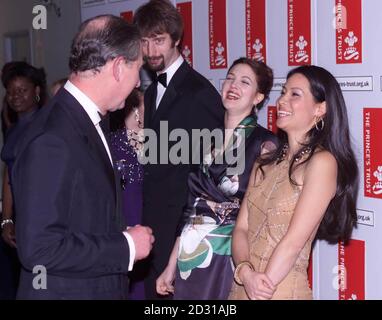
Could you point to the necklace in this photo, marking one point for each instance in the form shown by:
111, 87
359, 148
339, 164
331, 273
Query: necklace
136, 137
137, 118
136, 140
297, 157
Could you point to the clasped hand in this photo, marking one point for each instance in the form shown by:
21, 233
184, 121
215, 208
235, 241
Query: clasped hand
257, 285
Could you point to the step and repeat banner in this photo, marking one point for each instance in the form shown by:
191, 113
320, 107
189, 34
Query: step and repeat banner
344, 36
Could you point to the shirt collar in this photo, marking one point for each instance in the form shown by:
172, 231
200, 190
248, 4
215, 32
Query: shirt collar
89, 106
173, 68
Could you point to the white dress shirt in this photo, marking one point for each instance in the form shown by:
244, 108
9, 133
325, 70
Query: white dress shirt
170, 73
93, 111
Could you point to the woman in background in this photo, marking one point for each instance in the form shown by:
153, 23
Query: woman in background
126, 145
25, 88
57, 85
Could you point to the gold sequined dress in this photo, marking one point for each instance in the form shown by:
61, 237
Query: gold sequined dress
270, 209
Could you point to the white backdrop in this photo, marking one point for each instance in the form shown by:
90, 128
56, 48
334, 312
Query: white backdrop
325, 257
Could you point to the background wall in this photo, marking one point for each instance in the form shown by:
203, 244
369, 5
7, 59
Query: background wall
351, 272
10, 9
50, 47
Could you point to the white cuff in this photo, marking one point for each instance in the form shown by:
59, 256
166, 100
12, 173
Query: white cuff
132, 249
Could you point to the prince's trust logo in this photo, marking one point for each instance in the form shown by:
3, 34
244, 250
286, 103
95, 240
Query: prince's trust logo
186, 52
301, 55
257, 46
351, 51
219, 49
372, 152
377, 187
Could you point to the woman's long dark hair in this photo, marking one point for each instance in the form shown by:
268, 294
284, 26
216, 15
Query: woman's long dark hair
117, 118
340, 217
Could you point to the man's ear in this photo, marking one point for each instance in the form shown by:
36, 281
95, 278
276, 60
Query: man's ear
119, 64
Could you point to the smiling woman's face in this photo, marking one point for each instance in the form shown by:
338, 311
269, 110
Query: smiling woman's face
296, 107
240, 90
21, 95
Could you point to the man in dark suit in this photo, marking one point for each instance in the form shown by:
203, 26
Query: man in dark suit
180, 99
71, 240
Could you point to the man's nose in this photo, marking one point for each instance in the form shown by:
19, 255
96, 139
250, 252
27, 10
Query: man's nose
151, 49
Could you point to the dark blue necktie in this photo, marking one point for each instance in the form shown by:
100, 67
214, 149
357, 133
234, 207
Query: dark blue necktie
105, 124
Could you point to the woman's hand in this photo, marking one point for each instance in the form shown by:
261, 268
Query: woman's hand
164, 283
257, 285
8, 234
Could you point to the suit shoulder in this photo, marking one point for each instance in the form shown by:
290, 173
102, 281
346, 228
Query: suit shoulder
57, 119
266, 135
50, 119
198, 82
40, 127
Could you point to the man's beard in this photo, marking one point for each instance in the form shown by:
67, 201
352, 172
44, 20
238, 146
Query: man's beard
155, 67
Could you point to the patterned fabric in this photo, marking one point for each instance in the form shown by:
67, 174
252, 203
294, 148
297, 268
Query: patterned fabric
131, 179
271, 204
205, 269
125, 158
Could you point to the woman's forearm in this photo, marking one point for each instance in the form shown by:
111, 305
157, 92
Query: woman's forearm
174, 254
7, 197
281, 262
240, 248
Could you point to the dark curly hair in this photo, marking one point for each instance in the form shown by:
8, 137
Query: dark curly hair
340, 217
101, 39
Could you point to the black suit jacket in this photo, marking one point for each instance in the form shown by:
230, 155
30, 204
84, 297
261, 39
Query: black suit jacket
190, 102
67, 208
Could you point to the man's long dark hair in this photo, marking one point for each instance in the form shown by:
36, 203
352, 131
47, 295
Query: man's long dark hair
340, 217
157, 17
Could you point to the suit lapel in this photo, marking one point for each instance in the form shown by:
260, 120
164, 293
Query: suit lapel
149, 101
97, 150
170, 95
89, 134
165, 105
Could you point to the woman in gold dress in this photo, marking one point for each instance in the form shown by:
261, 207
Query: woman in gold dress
300, 192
